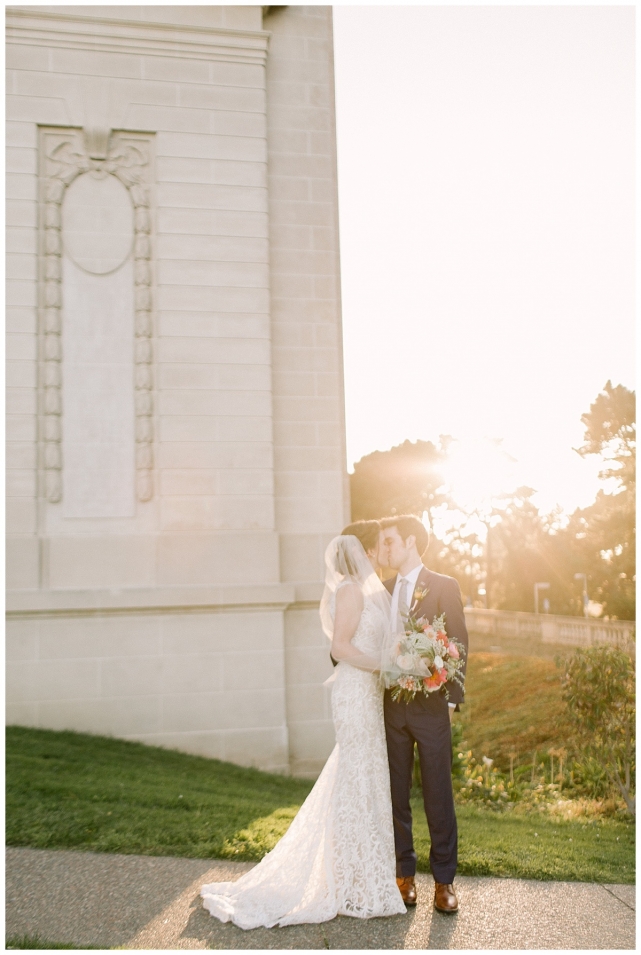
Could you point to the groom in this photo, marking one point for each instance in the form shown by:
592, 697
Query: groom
420, 592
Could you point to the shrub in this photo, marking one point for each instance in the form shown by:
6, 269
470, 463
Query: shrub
598, 688
482, 782
589, 778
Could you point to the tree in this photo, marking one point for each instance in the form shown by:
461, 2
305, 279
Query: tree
458, 553
514, 551
605, 532
598, 688
518, 545
602, 537
404, 480
407, 479
610, 431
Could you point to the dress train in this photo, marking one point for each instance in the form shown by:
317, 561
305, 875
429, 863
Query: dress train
337, 857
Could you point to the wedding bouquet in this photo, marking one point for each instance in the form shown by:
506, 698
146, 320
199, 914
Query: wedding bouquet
422, 660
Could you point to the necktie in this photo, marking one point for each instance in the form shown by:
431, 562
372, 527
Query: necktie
403, 603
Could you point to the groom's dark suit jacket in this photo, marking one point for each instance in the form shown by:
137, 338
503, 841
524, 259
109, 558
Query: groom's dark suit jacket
441, 595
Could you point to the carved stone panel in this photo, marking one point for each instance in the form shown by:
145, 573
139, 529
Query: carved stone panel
97, 222
95, 217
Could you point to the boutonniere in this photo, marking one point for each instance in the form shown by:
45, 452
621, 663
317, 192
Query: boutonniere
419, 594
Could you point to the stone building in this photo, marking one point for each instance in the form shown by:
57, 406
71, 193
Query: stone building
176, 459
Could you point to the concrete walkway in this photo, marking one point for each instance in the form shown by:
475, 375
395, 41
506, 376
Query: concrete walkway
144, 902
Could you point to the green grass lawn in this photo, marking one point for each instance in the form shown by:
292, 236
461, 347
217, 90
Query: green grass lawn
71, 791
536, 846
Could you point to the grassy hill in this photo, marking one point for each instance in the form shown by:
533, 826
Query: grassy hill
513, 704
71, 791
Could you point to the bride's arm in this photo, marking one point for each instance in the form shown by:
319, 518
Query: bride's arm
349, 607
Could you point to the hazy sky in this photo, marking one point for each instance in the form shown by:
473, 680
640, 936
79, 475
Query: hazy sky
486, 186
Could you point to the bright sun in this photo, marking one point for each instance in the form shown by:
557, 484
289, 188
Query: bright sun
476, 470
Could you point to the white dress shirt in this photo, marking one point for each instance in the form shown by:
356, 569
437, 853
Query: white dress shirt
411, 578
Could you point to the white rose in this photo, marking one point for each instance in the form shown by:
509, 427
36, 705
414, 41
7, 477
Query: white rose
405, 662
438, 662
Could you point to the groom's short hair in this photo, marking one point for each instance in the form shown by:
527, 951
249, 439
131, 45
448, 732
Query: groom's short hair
409, 524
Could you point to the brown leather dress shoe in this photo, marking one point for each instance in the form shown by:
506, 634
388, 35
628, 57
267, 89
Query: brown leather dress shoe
408, 889
445, 898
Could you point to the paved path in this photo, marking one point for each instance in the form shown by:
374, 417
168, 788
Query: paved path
145, 902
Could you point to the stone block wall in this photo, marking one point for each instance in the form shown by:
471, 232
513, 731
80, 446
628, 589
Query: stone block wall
238, 372
177, 679
311, 495
213, 466
303, 222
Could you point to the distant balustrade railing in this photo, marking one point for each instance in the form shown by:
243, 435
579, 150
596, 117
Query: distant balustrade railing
546, 628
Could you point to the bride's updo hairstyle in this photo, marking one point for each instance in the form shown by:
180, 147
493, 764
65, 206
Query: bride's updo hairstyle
367, 532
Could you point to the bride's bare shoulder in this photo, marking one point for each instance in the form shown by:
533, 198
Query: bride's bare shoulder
348, 591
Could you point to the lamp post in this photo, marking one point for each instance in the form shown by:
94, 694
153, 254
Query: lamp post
586, 599
538, 587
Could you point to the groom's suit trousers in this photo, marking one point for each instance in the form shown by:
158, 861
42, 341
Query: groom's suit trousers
426, 722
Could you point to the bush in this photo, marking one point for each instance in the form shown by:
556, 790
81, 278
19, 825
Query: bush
482, 783
589, 778
598, 689
582, 788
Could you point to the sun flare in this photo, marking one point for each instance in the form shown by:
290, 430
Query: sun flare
477, 470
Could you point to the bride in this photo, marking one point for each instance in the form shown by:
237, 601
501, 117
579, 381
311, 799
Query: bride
337, 857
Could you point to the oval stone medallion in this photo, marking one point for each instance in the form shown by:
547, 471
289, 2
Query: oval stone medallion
97, 222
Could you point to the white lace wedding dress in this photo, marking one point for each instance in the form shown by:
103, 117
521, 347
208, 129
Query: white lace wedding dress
337, 857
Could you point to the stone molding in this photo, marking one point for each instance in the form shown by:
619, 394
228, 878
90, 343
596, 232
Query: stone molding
276, 597
111, 35
65, 154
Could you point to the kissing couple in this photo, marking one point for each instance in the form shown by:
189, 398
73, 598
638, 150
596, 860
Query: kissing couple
349, 850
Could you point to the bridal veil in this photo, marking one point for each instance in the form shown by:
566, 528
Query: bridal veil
346, 562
